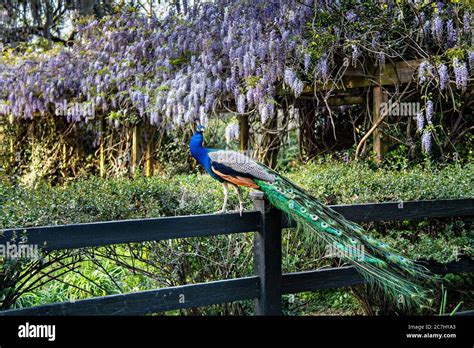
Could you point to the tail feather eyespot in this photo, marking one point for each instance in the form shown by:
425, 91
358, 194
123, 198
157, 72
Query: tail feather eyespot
353, 240
314, 217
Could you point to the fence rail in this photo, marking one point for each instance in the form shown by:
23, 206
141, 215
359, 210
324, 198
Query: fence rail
267, 285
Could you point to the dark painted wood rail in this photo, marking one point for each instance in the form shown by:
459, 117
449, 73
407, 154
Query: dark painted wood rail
265, 287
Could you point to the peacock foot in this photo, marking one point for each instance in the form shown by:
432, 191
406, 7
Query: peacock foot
240, 211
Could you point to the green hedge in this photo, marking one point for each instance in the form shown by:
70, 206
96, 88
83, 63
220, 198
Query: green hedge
95, 199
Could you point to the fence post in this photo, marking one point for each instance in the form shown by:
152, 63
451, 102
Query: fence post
267, 257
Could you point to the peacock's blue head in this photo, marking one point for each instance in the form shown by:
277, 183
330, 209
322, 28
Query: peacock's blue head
199, 126
200, 129
195, 144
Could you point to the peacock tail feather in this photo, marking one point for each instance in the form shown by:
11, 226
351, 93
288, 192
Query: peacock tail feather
401, 278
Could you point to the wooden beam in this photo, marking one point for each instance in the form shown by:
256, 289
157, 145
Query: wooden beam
267, 257
332, 278
339, 100
393, 74
339, 277
129, 231
152, 301
345, 100
222, 291
465, 264
404, 210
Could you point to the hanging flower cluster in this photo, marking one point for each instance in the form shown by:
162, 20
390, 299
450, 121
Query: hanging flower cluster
232, 133
375, 32
425, 131
229, 54
170, 70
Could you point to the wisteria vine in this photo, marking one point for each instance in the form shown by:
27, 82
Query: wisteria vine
236, 55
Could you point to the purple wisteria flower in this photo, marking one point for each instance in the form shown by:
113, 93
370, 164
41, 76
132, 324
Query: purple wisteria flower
461, 73
437, 29
375, 40
471, 60
439, 5
425, 72
426, 28
267, 110
355, 54
452, 34
351, 16
307, 62
443, 76
381, 58
289, 76
429, 111
241, 104
426, 141
420, 121
293, 82
298, 87
420, 19
231, 133
322, 68
467, 21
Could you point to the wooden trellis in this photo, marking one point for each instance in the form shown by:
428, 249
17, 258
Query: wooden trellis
372, 76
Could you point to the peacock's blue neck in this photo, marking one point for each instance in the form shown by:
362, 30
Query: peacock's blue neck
200, 153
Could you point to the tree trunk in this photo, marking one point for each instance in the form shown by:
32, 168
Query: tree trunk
379, 145
135, 148
102, 146
271, 142
307, 141
149, 151
244, 133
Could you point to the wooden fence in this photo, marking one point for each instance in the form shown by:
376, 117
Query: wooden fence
265, 287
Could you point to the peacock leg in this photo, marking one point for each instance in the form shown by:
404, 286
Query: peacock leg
241, 203
226, 195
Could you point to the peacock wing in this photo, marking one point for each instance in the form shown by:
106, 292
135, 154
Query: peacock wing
236, 164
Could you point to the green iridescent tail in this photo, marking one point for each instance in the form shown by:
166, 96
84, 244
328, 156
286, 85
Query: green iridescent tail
399, 277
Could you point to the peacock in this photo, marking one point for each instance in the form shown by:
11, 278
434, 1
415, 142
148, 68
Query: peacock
402, 279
